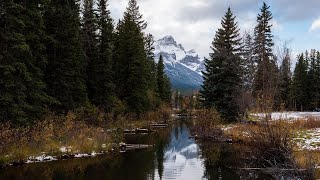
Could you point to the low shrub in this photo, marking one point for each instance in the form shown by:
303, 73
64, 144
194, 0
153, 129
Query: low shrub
273, 143
207, 122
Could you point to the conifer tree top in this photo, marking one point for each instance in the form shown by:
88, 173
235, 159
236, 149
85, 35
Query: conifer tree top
263, 34
226, 39
133, 11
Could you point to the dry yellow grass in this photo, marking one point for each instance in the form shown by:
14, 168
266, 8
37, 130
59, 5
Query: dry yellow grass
81, 131
309, 123
278, 135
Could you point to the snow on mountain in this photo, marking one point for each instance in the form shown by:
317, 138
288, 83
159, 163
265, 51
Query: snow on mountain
177, 54
184, 68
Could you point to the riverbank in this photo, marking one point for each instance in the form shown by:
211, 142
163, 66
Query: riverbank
74, 135
286, 146
293, 143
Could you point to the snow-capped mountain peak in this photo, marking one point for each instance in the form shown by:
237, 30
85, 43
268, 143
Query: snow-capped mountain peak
175, 53
181, 65
167, 41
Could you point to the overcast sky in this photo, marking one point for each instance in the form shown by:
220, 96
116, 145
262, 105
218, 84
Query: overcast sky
193, 22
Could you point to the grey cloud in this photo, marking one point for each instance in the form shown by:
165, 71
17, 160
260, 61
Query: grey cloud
216, 9
296, 10
194, 25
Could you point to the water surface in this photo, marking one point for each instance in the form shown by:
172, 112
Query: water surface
174, 156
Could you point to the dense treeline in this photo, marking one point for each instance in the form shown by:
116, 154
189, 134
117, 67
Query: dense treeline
57, 56
305, 86
246, 73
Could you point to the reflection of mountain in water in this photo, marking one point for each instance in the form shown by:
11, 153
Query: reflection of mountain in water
181, 156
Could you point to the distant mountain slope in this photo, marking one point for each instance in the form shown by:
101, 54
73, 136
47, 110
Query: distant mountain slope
183, 67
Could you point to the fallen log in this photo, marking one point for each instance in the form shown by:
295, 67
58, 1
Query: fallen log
138, 131
125, 147
271, 170
212, 138
156, 125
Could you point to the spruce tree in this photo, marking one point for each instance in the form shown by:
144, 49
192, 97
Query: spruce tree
65, 73
265, 77
22, 60
103, 94
248, 63
151, 72
131, 61
285, 81
152, 68
35, 38
312, 80
222, 79
13, 71
300, 84
133, 11
89, 38
163, 83
317, 80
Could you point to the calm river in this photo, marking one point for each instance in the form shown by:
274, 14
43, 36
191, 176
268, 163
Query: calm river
174, 156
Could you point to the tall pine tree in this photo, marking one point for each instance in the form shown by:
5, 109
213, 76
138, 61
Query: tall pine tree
89, 38
131, 61
65, 73
317, 80
265, 77
312, 80
285, 81
22, 60
248, 62
300, 84
163, 83
149, 48
103, 94
222, 78
151, 71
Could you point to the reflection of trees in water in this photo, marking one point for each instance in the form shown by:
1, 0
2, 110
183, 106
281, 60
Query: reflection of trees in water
160, 156
223, 160
162, 138
218, 160
219, 154
68, 169
131, 165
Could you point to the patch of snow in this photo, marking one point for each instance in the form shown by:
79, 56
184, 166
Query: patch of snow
93, 154
42, 158
309, 140
66, 149
63, 149
81, 155
228, 127
289, 115
192, 53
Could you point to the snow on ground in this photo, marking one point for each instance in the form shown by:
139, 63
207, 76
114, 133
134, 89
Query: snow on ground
289, 115
309, 139
65, 149
305, 140
47, 158
228, 127
41, 158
